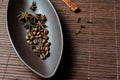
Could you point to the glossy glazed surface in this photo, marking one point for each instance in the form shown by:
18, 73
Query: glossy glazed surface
45, 68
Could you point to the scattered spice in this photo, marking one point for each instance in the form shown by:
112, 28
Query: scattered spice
89, 21
82, 26
78, 20
36, 32
78, 32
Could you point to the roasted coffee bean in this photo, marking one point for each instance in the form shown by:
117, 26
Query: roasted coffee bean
34, 33
47, 52
41, 56
46, 31
35, 50
45, 37
47, 44
39, 35
28, 41
31, 42
47, 48
29, 34
42, 48
31, 37
27, 30
35, 29
35, 41
27, 37
44, 41
36, 37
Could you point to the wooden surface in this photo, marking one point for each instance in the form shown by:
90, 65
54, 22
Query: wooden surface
94, 54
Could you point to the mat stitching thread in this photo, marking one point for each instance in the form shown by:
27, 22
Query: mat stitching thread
117, 57
89, 56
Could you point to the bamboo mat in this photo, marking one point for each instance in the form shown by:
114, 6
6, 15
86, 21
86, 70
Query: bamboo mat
94, 54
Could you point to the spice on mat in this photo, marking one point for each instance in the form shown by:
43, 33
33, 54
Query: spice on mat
73, 6
78, 32
36, 33
82, 26
78, 20
89, 21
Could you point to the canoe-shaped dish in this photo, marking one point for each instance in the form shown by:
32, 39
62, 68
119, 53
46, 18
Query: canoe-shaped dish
16, 32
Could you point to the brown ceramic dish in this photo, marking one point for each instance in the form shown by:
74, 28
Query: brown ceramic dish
16, 31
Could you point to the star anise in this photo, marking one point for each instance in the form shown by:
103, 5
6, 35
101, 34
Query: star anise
23, 16
40, 25
33, 6
28, 25
35, 17
43, 18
